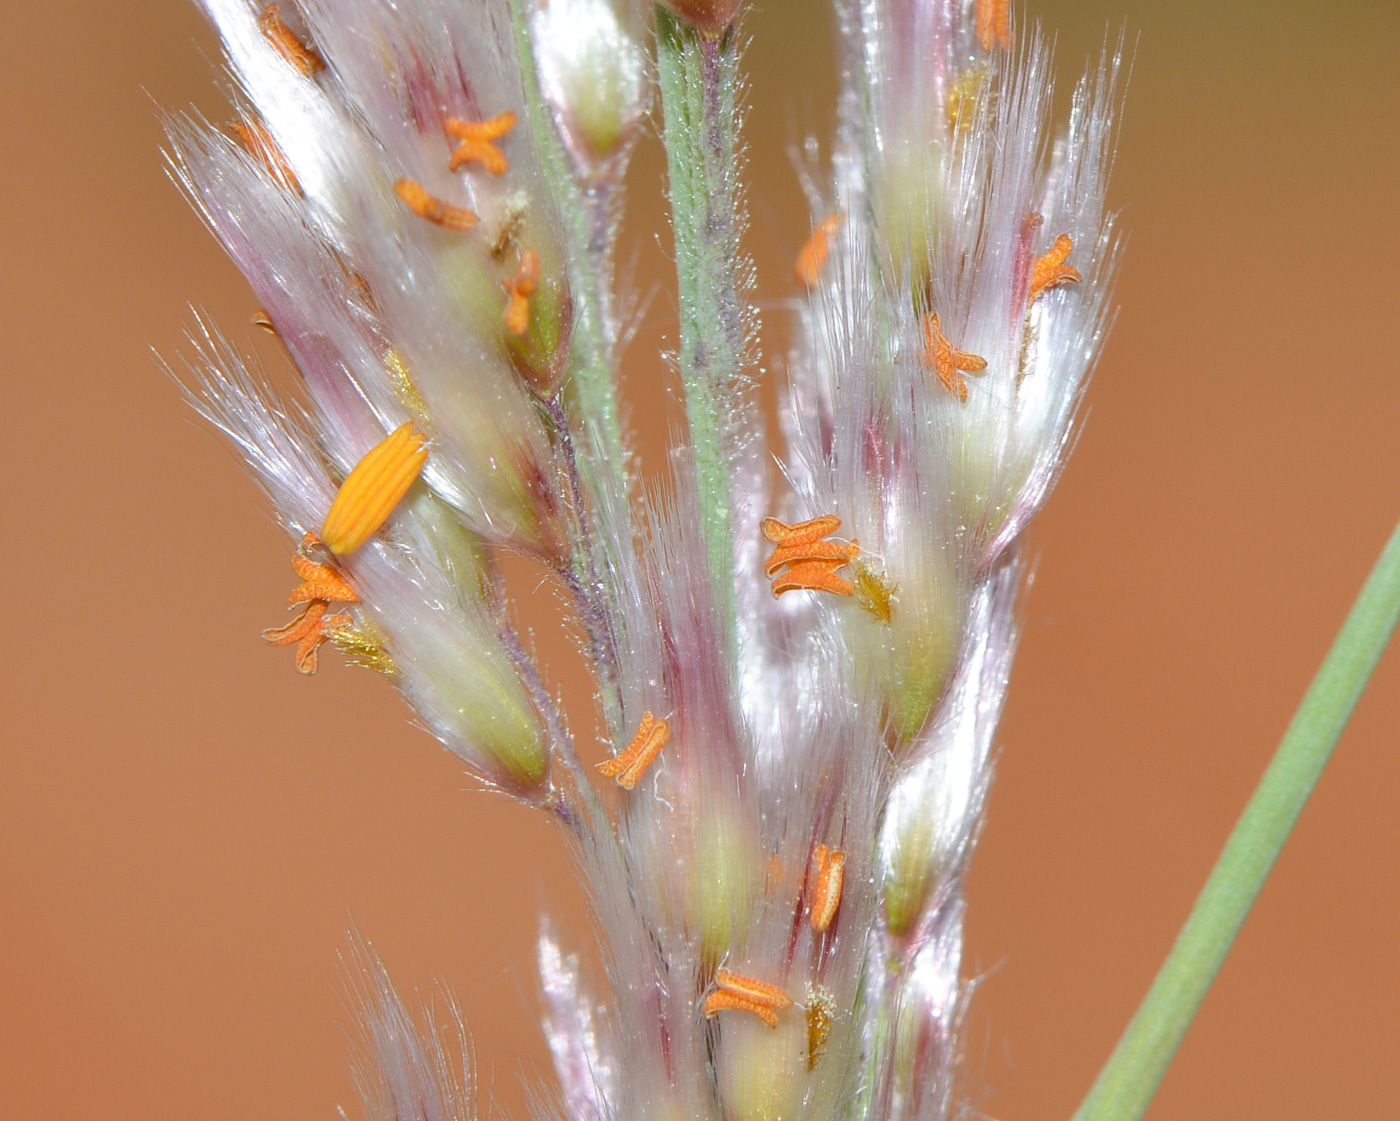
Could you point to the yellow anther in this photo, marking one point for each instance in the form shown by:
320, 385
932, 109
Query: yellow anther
372, 490
264, 149
830, 868
628, 765
718, 1002
519, 289
1050, 268
946, 361
476, 138
429, 206
993, 23
808, 266
751, 988
288, 45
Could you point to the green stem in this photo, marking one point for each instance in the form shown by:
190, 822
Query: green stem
1127, 1083
597, 460
698, 76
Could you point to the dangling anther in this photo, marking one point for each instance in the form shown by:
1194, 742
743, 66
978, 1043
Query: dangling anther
808, 266
829, 867
319, 581
947, 362
1050, 268
721, 1001
255, 137
262, 319
519, 289
993, 23
476, 138
809, 562
429, 206
308, 630
288, 45
372, 490
628, 765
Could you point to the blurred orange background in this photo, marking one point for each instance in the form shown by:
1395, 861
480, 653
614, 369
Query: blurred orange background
187, 827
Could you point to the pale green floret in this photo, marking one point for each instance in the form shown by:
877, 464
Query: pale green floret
907, 661
907, 193
763, 1070
911, 868
494, 716
720, 885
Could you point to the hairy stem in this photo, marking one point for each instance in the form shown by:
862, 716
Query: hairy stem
1127, 1083
698, 75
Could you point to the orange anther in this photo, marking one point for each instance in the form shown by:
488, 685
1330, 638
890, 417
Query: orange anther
288, 45
830, 868
808, 266
372, 490
799, 533
628, 764
947, 361
432, 208
993, 23
1050, 268
476, 146
263, 320
718, 1002
320, 581
811, 563
751, 988
519, 289
817, 550
264, 149
812, 576
308, 630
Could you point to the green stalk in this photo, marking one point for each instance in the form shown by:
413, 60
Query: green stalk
698, 76
1127, 1083
597, 460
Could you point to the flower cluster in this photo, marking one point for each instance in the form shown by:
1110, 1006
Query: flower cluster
801, 683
